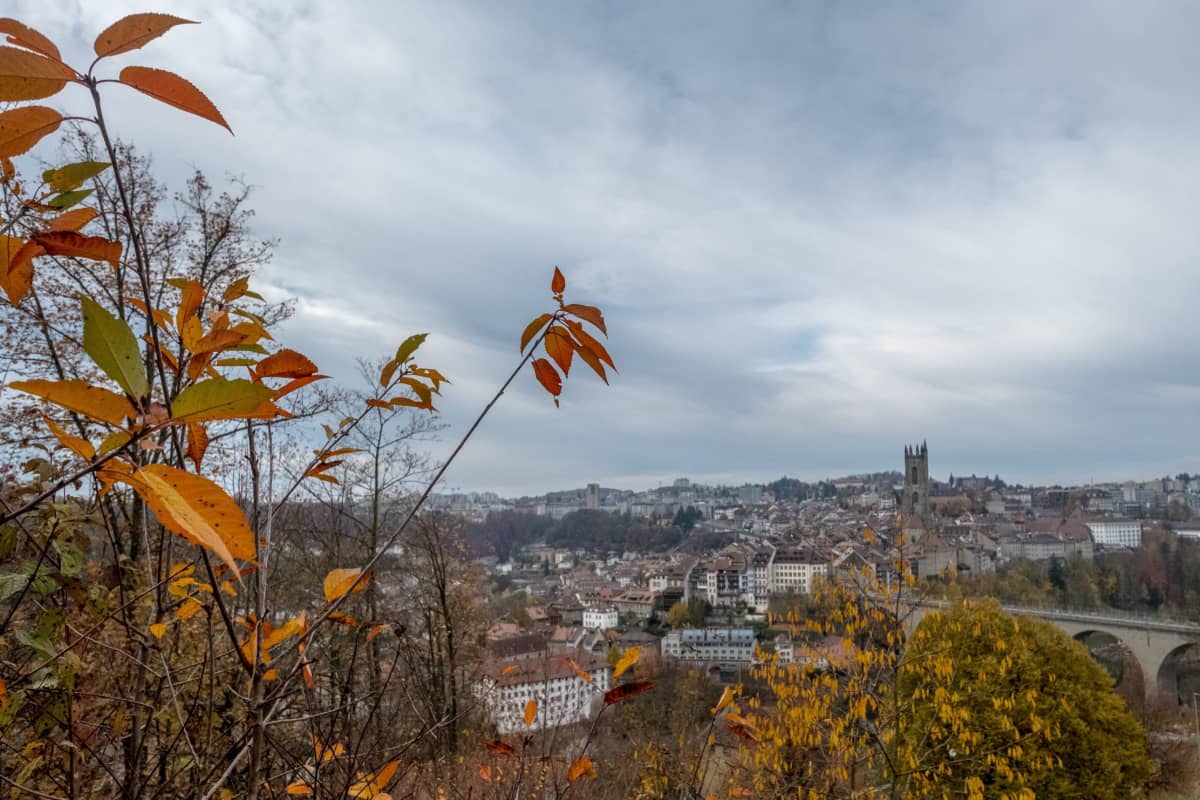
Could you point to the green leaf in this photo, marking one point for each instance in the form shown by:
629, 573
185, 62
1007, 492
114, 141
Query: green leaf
112, 345
70, 560
220, 398
68, 199
72, 176
409, 346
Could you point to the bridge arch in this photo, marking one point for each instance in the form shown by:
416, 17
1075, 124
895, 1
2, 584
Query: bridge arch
1179, 673
1119, 660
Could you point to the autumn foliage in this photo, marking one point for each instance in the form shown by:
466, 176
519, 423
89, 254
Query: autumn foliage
143, 648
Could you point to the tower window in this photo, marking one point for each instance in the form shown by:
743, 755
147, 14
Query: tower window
914, 475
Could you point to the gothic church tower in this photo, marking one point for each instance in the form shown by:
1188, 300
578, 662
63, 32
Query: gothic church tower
916, 480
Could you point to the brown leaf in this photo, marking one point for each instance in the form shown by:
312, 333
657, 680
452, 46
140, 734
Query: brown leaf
197, 443
69, 243
499, 747
559, 347
191, 297
532, 328
30, 76
22, 128
173, 90
558, 283
589, 313
547, 376
135, 31
286, 364
625, 691
22, 35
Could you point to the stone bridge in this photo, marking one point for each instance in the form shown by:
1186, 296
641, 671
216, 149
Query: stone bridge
1160, 646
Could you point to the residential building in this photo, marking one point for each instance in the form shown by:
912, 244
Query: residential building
710, 645
601, 617
563, 696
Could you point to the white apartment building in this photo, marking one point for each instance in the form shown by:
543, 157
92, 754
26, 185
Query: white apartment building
796, 571
1116, 532
563, 697
601, 617
712, 645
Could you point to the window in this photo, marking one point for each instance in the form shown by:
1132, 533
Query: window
914, 474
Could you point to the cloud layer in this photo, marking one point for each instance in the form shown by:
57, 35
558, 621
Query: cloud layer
817, 232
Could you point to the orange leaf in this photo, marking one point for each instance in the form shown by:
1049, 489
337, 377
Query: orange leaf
726, 699
530, 712
497, 746
626, 661
509, 668
742, 731
558, 283
582, 766
299, 787
343, 619
589, 313
591, 360
135, 31
197, 509
286, 364
16, 267
174, 91
373, 403
22, 128
72, 220
197, 443
340, 581
532, 328
485, 772
80, 447
298, 383
590, 342
306, 673
216, 341
191, 296
578, 670
372, 786
625, 691
80, 396
547, 376
69, 243
375, 630
30, 76
24, 36
559, 347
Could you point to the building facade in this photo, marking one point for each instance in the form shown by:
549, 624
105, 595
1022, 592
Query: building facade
710, 645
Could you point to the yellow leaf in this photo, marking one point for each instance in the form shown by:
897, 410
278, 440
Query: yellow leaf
628, 660
189, 608
530, 712
339, 581
158, 629
82, 397
726, 699
80, 447
197, 509
299, 787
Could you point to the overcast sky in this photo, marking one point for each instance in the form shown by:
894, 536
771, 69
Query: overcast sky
817, 231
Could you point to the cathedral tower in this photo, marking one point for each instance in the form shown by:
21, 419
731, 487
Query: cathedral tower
916, 480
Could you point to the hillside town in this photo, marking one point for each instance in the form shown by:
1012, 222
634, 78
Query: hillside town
752, 550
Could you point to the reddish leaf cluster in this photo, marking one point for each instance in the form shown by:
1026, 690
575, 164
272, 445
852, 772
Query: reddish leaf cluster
563, 336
